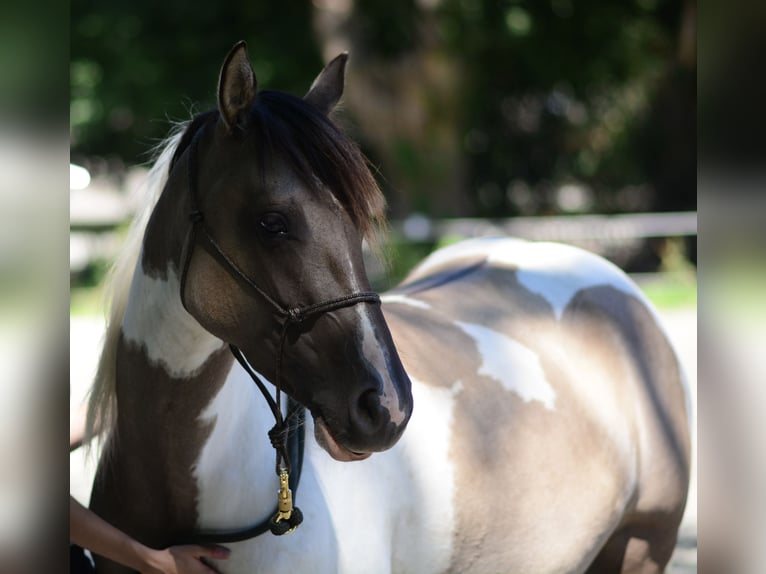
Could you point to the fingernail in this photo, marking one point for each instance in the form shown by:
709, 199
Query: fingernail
222, 552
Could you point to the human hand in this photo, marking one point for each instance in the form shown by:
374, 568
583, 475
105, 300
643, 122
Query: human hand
183, 560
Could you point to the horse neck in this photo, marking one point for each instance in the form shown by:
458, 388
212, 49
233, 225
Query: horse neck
155, 318
164, 353
183, 411
160, 341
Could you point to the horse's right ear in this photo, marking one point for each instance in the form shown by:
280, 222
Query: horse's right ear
236, 87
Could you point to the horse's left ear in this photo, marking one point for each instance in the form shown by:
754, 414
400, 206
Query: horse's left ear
236, 87
327, 89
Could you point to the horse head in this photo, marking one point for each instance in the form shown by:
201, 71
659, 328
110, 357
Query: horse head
278, 272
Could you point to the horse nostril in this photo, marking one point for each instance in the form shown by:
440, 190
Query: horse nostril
368, 414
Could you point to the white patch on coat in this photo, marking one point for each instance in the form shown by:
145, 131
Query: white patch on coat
237, 447
558, 272
431, 509
404, 300
511, 364
156, 321
395, 511
237, 486
553, 270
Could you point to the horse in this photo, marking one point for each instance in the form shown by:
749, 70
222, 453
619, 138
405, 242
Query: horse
510, 407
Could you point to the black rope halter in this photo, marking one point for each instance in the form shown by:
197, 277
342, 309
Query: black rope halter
287, 436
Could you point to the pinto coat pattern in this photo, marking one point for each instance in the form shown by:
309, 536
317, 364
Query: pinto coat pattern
511, 407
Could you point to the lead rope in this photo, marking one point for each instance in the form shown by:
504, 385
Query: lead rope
287, 516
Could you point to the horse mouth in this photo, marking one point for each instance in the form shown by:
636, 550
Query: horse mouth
334, 449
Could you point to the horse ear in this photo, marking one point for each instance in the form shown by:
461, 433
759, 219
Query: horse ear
236, 87
328, 86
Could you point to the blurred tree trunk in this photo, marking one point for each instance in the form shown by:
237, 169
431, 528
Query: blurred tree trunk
404, 105
669, 146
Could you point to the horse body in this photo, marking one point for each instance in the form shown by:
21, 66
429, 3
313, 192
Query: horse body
538, 434
549, 428
568, 438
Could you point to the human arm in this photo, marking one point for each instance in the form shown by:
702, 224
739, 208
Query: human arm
90, 531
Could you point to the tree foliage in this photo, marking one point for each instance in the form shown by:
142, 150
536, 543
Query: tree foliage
132, 62
514, 99
556, 91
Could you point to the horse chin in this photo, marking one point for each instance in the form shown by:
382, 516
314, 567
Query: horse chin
334, 449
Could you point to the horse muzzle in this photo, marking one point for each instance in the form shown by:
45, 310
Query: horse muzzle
327, 441
371, 420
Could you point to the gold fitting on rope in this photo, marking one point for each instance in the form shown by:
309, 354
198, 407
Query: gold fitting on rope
285, 498
287, 517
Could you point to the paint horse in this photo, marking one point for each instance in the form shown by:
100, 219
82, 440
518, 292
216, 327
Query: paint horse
545, 411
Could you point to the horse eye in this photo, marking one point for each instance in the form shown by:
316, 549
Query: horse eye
274, 223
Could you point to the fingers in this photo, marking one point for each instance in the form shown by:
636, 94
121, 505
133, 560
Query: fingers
212, 552
191, 559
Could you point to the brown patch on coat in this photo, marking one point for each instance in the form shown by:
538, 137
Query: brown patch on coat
645, 539
145, 484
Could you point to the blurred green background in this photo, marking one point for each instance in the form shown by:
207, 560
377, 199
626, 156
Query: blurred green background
469, 108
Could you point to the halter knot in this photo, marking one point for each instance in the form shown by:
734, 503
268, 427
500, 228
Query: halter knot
294, 315
278, 436
196, 216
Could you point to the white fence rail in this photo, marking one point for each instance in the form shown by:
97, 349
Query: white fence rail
568, 228
95, 238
